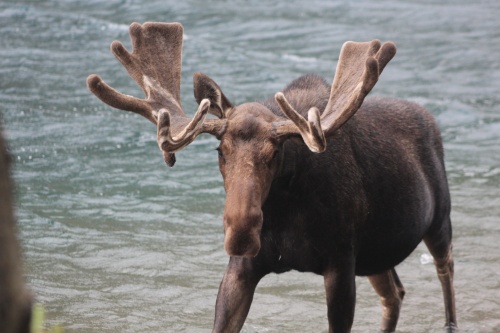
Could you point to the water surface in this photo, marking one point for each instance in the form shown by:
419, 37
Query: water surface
115, 241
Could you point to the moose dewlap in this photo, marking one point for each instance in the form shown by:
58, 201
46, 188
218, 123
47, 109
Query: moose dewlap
318, 178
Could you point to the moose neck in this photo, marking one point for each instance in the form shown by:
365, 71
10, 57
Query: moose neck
295, 160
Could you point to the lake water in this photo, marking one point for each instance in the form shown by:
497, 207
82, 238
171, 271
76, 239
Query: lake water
114, 241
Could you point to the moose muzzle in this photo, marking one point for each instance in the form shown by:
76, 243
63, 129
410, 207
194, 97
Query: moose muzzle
242, 229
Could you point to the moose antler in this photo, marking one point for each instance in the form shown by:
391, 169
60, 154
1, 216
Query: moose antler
155, 65
358, 69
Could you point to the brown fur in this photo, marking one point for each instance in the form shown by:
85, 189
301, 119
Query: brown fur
15, 300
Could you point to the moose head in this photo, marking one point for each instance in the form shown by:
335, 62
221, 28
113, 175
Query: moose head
251, 135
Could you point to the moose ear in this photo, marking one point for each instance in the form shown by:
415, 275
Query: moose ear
205, 87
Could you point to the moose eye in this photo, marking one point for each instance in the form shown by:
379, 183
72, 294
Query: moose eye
275, 155
219, 152
273, 158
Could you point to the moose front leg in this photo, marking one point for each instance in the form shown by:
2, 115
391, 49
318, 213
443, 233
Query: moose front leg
340, 297
236, 294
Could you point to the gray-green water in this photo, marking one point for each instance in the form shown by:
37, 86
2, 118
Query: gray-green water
114, 241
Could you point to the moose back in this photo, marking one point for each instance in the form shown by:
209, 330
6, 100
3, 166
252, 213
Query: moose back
317, 178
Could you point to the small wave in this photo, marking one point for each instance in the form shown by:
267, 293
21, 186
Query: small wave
114, 26
296, 58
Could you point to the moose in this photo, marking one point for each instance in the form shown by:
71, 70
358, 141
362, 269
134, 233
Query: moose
317, 178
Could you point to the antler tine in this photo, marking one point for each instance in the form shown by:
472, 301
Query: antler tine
310, 129
170, 143
358, 69
118, 100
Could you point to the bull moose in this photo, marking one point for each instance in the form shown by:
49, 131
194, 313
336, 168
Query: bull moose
317, 178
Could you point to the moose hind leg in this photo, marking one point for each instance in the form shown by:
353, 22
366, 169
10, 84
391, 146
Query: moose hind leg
391, 292
440, 245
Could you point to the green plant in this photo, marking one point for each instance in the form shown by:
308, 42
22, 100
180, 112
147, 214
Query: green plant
38, 322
